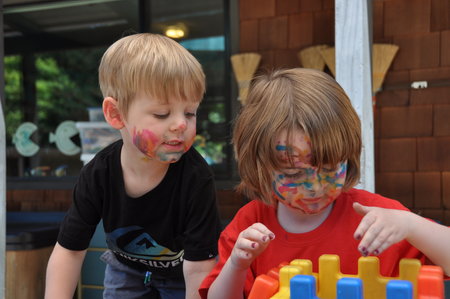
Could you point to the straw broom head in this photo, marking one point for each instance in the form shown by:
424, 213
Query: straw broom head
244, 67
382, 57
328, 55
310, 57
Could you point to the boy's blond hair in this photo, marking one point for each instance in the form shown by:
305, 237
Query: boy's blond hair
288, 100
153, 64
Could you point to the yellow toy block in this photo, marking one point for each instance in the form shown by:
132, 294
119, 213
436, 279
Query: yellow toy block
329, 273
368, 271
286, 273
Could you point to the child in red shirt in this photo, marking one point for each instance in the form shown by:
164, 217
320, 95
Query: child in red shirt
298, 144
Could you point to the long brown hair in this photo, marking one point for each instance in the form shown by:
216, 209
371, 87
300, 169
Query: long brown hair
289, 100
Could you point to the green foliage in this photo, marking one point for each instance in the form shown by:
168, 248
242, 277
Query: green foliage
13, 94
66, 84
211, 151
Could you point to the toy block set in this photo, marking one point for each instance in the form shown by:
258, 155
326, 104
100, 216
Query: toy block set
296, 280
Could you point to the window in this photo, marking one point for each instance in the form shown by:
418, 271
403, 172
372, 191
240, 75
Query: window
52, 52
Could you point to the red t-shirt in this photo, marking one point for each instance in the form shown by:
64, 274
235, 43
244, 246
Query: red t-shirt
333, 236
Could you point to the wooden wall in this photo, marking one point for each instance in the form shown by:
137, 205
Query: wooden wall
412, 127
38, 200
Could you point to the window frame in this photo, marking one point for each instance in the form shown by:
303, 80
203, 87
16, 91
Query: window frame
226, 181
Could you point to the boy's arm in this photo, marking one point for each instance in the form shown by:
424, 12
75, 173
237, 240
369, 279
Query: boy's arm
194, 273
63, 272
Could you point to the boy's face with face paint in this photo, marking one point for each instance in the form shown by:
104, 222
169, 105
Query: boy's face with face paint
161, 131
303, 186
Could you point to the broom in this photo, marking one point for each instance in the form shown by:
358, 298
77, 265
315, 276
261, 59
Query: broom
382, 57
244, 67
310, 57
328, 55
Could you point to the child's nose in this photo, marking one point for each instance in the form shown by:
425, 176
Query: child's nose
178, 124
315, 180
316, 185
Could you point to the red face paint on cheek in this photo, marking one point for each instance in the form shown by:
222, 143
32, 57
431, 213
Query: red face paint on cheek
286, 189
145, 141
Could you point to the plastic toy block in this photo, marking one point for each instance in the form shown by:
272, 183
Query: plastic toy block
306, 266
330, 283
368, 272
430, 283
349, 288
286, 273
304, 287
268, 284
275, 272
263, 287
399, 289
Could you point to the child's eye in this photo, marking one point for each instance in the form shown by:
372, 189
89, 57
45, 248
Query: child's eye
294, 173
329, 169
191, 114
161, 116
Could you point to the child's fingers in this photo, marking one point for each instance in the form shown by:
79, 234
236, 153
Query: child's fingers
360, 209
389, 241
258, 232
246, 244
250, 243
370, 237
263, 229
380, 238
242, 254
364, 226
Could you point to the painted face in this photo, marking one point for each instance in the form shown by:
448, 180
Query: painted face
162, 131
302, 186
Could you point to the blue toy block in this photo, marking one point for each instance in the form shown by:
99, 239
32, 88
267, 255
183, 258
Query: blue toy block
349, 288
399, 289
303, 287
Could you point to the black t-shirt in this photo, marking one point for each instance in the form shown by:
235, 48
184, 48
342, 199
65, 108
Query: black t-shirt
176, 220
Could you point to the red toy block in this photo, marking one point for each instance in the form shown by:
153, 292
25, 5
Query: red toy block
275, 272
264, 287
430, 283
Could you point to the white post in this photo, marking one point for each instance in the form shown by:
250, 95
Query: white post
2, 203
353, 44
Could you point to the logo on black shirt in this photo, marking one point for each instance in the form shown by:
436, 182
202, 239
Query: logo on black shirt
134, 244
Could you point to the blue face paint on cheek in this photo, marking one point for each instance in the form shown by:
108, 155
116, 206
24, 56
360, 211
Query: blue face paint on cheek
281, 179
275, 191
339, 175
279, 147
170, 157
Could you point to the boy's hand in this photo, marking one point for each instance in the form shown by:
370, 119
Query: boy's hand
250, 243
379, 228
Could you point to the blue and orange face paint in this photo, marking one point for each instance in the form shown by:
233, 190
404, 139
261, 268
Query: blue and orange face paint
302, 186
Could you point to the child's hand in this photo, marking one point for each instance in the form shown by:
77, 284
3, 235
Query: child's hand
250, 243
379, 228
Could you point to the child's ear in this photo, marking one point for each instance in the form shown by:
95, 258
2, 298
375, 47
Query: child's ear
112, 113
